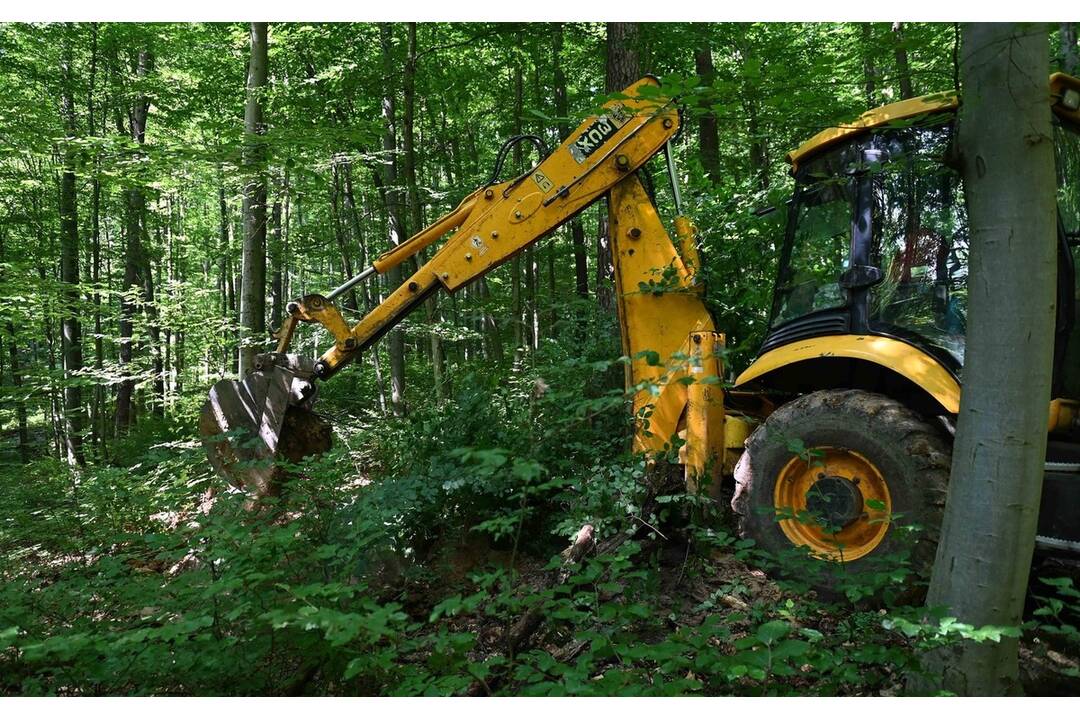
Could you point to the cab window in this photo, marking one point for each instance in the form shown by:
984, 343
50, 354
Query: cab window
1067, 164
819, 240
920, 239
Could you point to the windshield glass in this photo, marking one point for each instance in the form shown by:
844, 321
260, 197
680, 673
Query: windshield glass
1067, 152
919, 235
1067, 147
819, 240
920, 238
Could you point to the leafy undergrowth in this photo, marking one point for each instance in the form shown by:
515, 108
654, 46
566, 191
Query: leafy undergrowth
422, 557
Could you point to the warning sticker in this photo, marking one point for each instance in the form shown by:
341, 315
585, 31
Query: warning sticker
542, 180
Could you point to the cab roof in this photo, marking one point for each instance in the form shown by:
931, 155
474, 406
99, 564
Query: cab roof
903, 110
907, 109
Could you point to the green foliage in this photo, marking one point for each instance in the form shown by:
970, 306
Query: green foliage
399, 562
1057, 619
347, 587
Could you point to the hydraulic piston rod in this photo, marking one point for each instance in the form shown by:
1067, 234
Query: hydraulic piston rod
351, 283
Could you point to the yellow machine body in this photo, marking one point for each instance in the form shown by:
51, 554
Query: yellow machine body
905, 359
850, 495
917, 107
674, 353
896, 355
895, 112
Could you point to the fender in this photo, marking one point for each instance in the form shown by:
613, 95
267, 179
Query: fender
896, 355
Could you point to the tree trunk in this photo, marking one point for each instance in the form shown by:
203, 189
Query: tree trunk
20, 403
129, 302
228, 299
869, 71
177, 276
605, 291
552, 315
431, 311
622, 69
708, 131
358, 236
492, 340
532, 319
516, 304
71, 328
16, 378
133, 260
759, 149
341, 188
253, 287
622, 56
1070, 54
286, 231
277, 301
97, 421
532, 253
984, 557
56, 410
577, 231
903, 71
339, 235
153, 325
395, 218
369, 293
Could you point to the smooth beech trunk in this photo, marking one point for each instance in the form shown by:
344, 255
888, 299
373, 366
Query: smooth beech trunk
133, 259
277, 301
984, 557
622, 69
395, 213
577, 230
516, 302
708, 130
70, 326
1070, 53
903, 68
416, 215
869, 70
253, 284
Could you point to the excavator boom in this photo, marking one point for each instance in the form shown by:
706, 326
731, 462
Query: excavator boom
661, 313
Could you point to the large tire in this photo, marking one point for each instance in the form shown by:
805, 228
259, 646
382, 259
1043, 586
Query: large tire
912, 459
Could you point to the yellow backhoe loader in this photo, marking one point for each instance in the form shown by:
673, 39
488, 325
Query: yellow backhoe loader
845, 418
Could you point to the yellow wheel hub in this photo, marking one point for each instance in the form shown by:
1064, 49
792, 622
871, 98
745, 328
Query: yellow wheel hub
833, 501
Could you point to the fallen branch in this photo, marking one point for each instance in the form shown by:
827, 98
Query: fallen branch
524, 628
520, 633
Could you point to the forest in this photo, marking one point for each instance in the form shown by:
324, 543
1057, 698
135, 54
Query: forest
482, 524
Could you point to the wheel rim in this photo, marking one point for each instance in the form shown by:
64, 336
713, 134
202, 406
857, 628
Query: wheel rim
833, 501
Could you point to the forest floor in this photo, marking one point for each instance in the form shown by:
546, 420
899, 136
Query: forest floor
138, 579
722, 587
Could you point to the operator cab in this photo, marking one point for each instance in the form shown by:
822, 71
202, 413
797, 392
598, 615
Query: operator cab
877, 242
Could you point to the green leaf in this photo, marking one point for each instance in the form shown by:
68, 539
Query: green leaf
355, 667
790, 648
772, 631
7, 636
651, 357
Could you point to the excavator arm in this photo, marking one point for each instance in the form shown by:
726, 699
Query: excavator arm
666, 329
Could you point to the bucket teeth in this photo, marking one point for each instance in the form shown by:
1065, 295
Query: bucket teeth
248, 425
